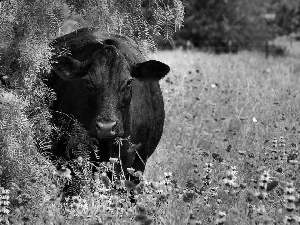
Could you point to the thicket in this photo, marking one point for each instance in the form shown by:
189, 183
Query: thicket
27, 28
240, 23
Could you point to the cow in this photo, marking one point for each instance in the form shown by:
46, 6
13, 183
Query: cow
107, 85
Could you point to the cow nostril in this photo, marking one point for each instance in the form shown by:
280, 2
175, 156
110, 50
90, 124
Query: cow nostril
106, 128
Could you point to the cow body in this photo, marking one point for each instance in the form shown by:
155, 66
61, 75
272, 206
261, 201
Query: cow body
105, 83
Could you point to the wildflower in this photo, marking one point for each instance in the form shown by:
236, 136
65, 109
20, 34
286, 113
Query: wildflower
160, 191
230, 182
234, 213
281, 141
261, 169
154, 185
138, 174
289, 189
53, 198
139, 188
76, 199
96, 194
231, 174
261, 195
219, 201
33, 180
113, 191
64, 172
129, 185
14, 186
275, 143
290, 198
80, 160
290, 206
168, 175
262, 184
294, 162
5, 191
4, 203
254, 120
105, 180
9, 97
130, 170
265, 177
134, 147
118, 184
213, 85
141, 210
217, 157
272, 185
297, 218
52, 186
47, 198
290, 219
230, 178
167, 182
221, 217
189, 196
25, 219
208, 167
113, 160
261, 210
241, 152
143, 220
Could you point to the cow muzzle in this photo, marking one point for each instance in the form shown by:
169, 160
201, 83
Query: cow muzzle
106, 129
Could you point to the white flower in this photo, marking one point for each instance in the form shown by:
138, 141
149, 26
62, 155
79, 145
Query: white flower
254, 120
168, 174
130, 170
64, 172
113, 160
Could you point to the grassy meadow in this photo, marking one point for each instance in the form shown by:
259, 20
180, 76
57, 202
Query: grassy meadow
239, 116
228, 155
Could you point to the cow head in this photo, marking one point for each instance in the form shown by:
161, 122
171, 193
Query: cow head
107, 78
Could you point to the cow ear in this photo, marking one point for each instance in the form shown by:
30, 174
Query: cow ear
150, 70
68, 68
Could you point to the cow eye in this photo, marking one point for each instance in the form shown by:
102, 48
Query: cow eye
126, 86
129, 82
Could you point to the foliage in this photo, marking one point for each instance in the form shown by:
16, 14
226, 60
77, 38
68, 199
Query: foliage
132, 18
27, 176
218, 23
288, 17
21, 165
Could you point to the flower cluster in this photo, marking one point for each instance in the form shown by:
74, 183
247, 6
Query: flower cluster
4, 202
230, 179
220, 218
208, 170
142, 216
290, 198
261, 192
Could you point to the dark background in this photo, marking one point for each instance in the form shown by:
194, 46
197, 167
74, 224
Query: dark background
232, 25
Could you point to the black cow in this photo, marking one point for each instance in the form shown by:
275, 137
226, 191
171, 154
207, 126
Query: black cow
112, 90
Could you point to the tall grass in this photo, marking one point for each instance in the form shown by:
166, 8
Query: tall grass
228, 155
238, 111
